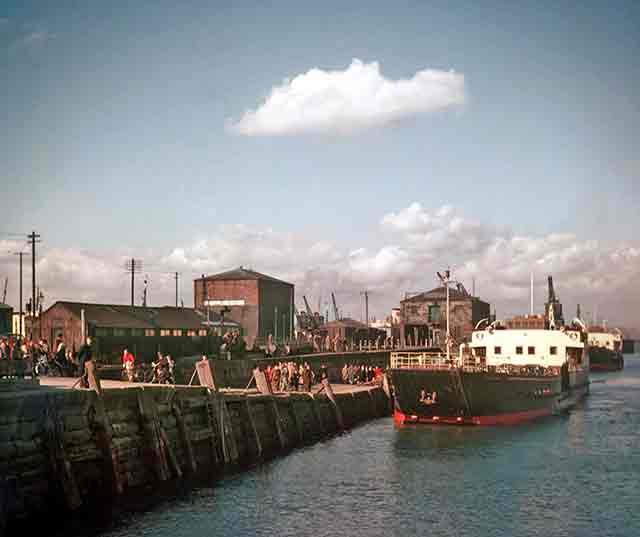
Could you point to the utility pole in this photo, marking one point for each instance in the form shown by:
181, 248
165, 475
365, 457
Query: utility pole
20, 329
176, 276
33, 237
133, 266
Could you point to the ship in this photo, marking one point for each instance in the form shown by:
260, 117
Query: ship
605, 349
502, 376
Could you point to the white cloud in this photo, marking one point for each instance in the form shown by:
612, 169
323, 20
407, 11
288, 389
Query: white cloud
421, 241
356, 98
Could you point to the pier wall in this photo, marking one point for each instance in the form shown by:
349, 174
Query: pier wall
64, 449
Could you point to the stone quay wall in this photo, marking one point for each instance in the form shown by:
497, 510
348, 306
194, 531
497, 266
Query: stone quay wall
62, 450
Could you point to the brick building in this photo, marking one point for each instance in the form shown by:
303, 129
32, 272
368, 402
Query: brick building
144, 330
260, 304
423, 317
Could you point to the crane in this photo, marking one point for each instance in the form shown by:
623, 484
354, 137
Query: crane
4, 294
308, 308
335, 307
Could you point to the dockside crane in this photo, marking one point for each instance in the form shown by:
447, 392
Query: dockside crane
553, 307
335, 307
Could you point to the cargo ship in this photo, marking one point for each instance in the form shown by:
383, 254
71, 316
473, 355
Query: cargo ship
605, 349
503, 376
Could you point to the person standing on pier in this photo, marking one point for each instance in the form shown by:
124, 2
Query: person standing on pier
85, 354
275, 378
306, 378
128, 364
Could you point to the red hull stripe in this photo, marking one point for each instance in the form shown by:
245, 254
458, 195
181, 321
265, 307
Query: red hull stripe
605, 367
501, 419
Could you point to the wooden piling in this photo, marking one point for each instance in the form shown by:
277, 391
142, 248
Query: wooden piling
278, 422
253, 427
104, 437
150, 426
61, 469
327, 388
185, 437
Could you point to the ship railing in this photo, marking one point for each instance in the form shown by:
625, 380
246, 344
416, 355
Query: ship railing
425, 360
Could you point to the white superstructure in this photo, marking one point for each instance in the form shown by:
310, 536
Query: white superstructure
527, 347
608, 339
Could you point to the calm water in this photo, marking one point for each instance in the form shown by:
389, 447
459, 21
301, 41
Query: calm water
572, 475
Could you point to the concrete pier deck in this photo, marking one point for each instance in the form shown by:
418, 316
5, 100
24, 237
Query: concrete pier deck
67, 383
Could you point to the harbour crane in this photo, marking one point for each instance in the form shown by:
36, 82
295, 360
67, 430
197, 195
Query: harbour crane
306, 305
313, 321
335, 307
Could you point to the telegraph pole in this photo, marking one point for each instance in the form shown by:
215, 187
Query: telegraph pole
33, 237
133, 266
21, 255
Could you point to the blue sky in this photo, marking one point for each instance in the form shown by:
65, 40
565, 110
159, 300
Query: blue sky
113, 120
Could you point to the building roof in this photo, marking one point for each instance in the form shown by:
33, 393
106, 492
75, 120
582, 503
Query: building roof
121, 316
242, 273
439, 293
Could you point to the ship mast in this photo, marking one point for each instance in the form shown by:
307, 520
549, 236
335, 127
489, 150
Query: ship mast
445, 278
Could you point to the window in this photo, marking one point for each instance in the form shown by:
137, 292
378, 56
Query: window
177, 333
531, 350
100, 331
480, 352
165, 332
137, 332
191, 333
202, 332
497, 350
553, 350
149, 332
434, 313
518, 350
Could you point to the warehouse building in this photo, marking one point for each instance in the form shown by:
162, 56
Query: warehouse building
143, 330
260, 304
423, 317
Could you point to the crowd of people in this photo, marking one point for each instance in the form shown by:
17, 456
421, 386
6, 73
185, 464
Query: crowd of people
360, 374
293, 377
24, 357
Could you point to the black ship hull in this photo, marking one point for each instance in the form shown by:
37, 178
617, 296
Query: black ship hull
602, 359
441, 396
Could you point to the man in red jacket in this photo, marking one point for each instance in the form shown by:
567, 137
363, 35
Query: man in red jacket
128, 363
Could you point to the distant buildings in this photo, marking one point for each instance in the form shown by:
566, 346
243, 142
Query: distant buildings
260, 304
423, 317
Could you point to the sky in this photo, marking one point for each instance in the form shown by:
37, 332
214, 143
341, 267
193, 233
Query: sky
340, 145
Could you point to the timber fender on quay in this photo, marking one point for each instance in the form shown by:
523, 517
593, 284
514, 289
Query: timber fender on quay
65, 450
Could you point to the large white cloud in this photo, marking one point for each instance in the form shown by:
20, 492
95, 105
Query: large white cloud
419, 242
356, 98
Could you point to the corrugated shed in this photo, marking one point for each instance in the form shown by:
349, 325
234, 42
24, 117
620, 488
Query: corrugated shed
118, 315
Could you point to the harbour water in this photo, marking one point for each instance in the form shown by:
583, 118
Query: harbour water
577, 474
